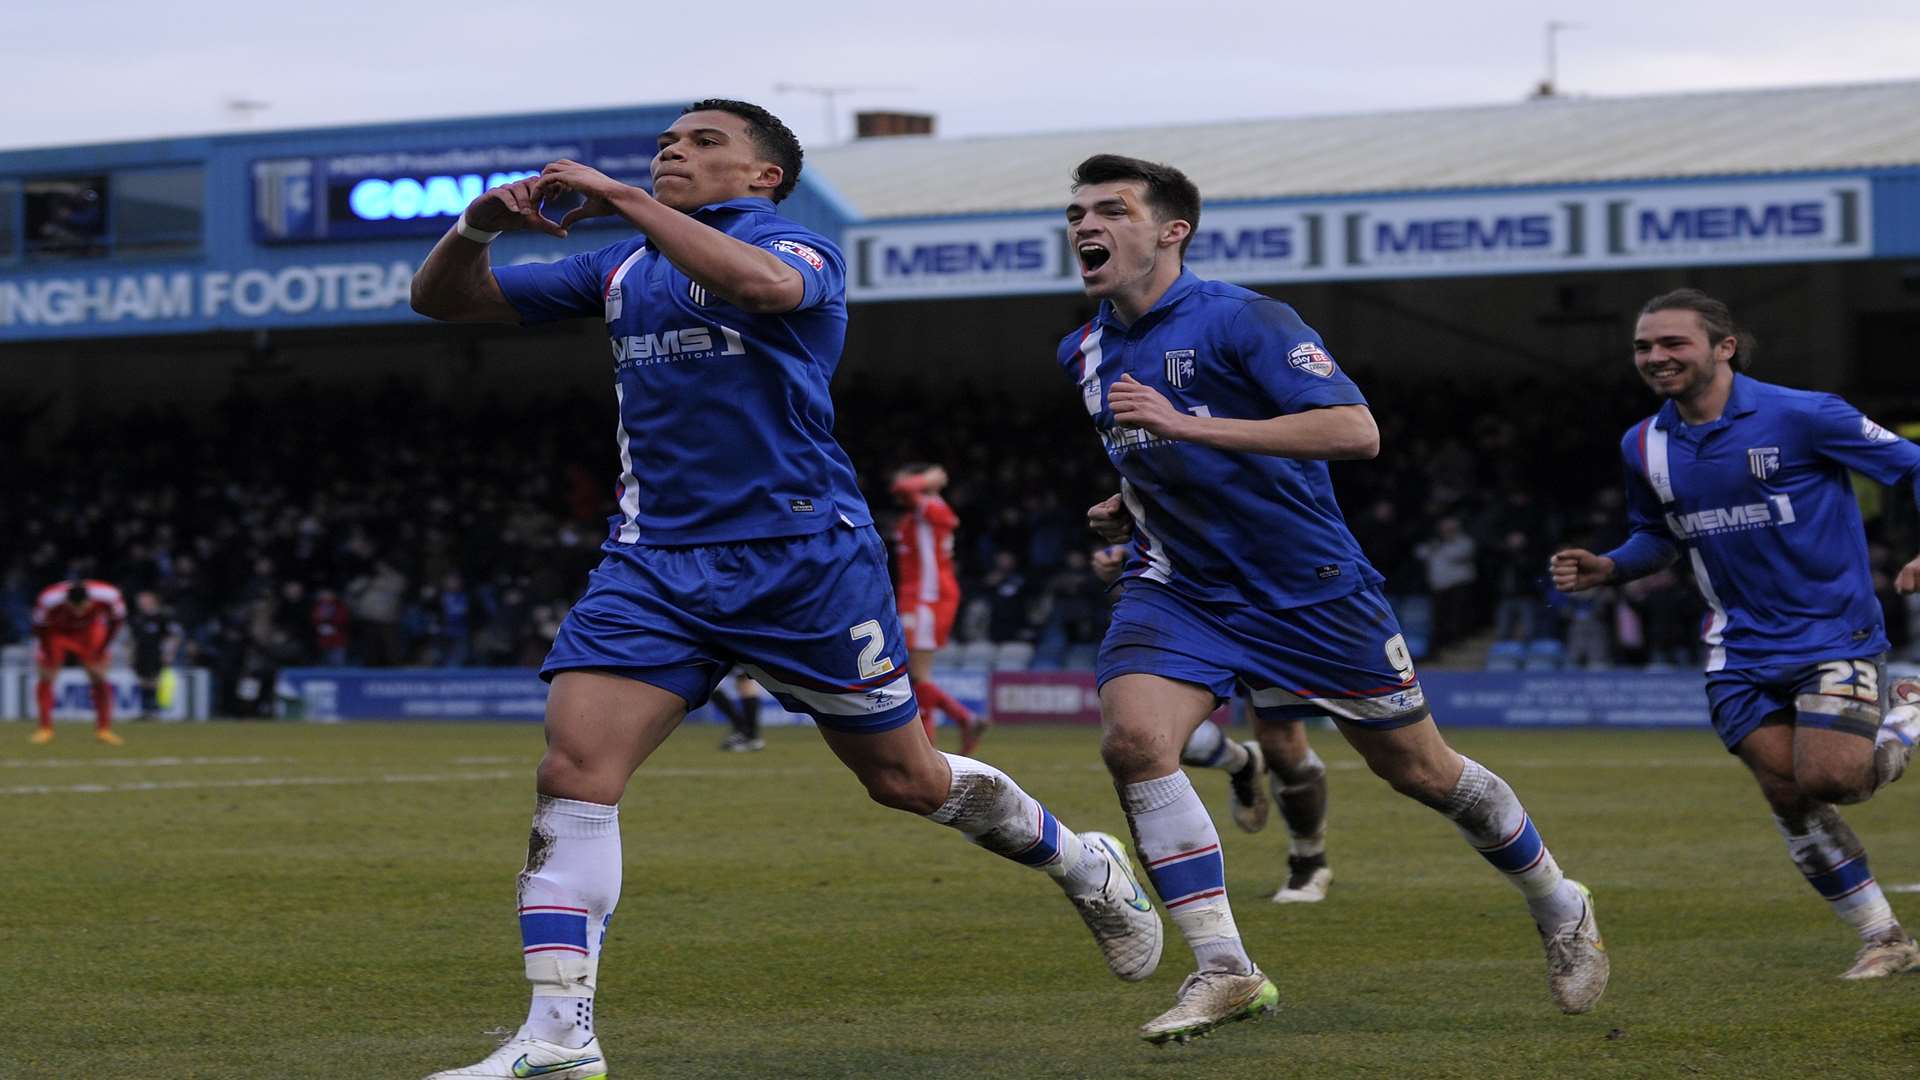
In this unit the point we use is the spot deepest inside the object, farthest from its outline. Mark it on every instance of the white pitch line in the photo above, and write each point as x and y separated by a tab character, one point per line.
256	782
381	778
137	763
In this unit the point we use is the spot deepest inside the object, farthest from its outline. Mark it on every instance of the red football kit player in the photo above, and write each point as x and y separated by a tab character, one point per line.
928	590
78	619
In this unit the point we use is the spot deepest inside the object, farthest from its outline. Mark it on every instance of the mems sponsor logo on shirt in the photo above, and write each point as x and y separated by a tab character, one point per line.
1777	510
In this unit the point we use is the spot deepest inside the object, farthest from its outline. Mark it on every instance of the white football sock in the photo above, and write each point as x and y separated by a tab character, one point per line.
1181	851
1834	862
990	809
1489	815
568	891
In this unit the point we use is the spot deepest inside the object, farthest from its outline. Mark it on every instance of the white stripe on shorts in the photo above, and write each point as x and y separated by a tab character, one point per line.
1384	707
872	702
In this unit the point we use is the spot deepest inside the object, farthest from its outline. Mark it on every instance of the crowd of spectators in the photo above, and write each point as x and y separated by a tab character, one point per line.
380	528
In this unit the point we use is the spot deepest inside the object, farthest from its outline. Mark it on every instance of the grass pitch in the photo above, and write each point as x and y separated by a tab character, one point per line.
282	901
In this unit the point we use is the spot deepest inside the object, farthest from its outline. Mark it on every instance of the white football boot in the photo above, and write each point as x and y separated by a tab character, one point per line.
1577	964
1246	795
522	1056
1879	959
1120	915
1208	999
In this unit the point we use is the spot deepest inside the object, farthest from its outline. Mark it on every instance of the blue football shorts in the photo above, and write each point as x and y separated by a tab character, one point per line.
811	618
1847	695
1342	658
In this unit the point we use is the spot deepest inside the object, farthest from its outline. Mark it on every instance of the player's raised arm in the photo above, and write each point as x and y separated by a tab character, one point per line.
456	283
748	277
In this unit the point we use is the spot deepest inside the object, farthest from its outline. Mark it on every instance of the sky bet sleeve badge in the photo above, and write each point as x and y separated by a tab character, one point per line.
1312	359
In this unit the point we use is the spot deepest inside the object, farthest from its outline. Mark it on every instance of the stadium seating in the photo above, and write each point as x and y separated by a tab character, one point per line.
1012	656
1544	654
1506	655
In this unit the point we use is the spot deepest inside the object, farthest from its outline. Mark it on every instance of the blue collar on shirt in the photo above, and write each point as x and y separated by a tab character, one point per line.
746	204
1739	403
1182	285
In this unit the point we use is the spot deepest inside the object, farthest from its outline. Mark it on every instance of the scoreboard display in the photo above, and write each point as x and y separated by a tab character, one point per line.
395	194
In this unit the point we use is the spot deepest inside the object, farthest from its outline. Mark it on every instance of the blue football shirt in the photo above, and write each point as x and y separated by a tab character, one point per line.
1760	504
726	425
1219	525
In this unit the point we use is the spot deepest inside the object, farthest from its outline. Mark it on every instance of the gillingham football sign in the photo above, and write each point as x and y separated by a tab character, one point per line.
1532	232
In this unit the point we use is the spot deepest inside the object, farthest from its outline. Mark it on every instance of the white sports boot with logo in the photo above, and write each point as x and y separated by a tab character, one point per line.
1208	999
1577	964
522	1056
1120	915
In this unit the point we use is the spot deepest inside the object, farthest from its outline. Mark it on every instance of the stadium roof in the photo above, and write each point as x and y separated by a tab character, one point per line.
1540	142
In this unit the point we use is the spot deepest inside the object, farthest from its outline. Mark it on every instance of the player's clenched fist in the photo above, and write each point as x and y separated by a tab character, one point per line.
1577	569
1110	520
512	206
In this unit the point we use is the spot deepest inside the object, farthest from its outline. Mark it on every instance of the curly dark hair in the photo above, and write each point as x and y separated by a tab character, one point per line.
772	138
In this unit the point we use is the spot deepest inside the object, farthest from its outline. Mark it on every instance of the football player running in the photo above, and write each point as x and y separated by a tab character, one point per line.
1219	408
1748	482
741	537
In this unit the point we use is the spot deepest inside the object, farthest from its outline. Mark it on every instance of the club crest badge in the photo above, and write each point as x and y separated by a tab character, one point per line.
1179	368
1763	461
1311	359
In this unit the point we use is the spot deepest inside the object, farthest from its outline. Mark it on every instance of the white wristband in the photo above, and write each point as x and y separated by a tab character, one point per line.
478	236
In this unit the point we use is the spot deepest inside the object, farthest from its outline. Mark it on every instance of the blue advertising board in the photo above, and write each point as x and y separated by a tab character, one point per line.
1566	698
414	192
1458	698
491	694
416	693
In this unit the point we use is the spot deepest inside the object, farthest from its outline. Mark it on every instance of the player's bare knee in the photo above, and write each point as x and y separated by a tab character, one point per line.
564	774
1132	755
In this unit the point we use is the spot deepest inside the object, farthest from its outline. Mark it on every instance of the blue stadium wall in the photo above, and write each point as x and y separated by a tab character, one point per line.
257	266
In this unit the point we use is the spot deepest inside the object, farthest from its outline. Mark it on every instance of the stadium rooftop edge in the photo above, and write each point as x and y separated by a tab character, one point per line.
1540	142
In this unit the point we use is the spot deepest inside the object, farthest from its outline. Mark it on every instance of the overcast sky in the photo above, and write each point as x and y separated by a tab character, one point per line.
78	71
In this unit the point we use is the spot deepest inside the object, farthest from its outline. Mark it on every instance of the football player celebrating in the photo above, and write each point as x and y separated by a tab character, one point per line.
742	537
1748	482
1219	408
